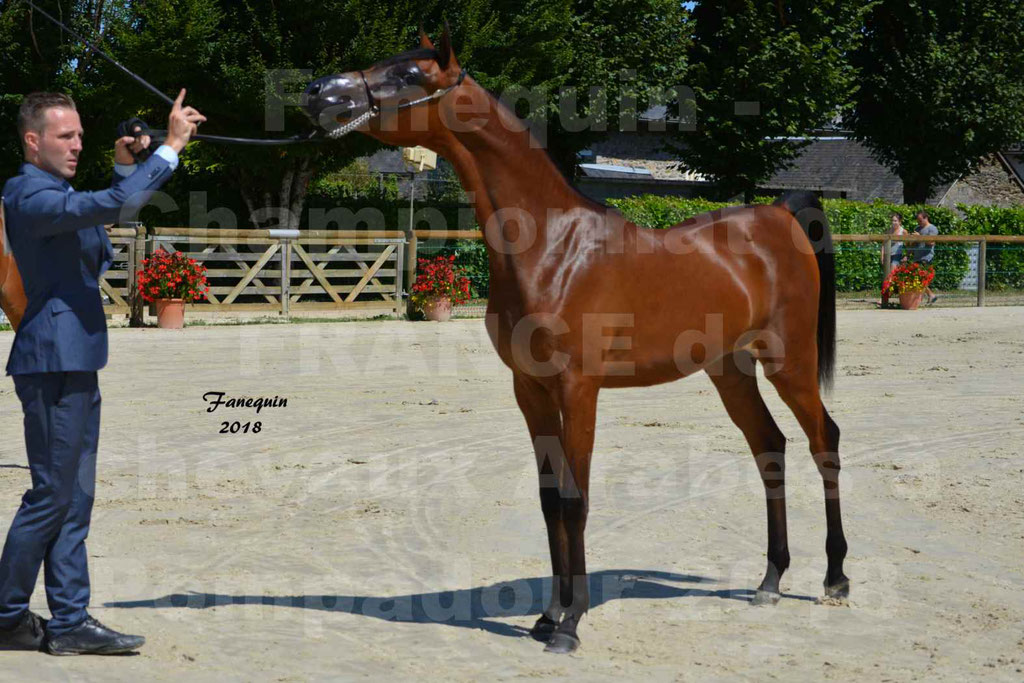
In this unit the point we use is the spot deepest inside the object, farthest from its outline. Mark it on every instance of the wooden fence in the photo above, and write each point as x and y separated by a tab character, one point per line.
270	270
336	271
981	240
884	240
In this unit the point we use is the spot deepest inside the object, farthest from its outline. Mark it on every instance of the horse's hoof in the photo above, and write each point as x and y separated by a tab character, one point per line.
543	629
765	598
838	591
562	643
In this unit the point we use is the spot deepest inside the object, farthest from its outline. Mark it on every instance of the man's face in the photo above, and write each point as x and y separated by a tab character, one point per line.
921	220
55	149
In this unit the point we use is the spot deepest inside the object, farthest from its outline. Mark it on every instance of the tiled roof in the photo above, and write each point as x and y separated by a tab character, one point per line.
838	165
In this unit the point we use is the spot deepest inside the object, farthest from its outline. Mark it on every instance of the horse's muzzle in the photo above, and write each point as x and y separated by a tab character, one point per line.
333	101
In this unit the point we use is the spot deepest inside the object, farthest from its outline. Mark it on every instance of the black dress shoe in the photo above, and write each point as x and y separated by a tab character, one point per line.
93	638
27	635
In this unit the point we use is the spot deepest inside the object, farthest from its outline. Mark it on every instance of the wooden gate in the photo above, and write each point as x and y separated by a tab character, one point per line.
279	270
118	282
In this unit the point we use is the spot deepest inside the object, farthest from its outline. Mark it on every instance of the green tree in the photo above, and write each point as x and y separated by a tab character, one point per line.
36	55
229	55
635	50
942	86
763	74
594	64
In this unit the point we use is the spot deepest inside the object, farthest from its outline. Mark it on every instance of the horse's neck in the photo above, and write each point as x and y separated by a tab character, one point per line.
511	181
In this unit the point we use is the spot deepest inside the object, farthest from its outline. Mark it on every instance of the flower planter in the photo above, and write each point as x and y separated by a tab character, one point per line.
169	280
170	314
439	285
910	300
910	280
438	308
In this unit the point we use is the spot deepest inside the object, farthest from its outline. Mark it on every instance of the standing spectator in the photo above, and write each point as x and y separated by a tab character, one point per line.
924	252
896	255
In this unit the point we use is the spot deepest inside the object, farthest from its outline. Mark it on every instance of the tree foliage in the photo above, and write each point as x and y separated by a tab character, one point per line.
942	86
230	55
764	72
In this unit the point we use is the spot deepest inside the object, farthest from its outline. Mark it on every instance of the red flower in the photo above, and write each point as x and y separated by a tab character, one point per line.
439	277
170	276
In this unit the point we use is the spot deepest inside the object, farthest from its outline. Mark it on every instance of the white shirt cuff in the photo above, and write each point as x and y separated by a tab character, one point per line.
168	154
124	169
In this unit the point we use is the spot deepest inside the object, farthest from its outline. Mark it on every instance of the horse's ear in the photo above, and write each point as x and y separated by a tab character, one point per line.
425	39
444	48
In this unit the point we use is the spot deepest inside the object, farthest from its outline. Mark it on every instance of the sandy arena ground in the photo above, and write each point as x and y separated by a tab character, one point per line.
386	523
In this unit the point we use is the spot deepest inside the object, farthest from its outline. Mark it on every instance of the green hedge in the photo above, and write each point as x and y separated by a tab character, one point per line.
858	264
1004	267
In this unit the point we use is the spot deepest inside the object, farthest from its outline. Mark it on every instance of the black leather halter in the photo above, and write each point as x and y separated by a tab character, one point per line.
374	109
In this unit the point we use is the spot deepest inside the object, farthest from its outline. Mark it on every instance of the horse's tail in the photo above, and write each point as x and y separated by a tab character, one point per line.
807	209
12	291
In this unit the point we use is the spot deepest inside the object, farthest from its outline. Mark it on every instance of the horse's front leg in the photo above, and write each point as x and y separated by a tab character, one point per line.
571	481
544	421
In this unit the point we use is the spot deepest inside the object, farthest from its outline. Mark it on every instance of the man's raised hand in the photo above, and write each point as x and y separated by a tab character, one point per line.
182	123
124	147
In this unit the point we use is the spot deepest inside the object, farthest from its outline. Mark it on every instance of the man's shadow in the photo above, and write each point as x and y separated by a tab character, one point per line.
474	607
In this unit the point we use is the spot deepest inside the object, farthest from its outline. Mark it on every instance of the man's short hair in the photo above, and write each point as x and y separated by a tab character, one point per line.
924	214
32	113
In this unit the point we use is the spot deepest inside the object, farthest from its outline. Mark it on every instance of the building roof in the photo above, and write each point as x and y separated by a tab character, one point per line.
613	171
843	167
831	164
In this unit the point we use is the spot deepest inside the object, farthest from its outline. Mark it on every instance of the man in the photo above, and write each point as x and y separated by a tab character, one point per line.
61	248
924	252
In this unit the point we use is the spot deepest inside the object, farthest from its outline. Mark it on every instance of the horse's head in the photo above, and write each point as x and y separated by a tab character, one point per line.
394	100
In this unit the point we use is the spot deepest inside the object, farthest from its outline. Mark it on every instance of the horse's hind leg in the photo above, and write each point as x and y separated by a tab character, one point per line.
797	385
738	390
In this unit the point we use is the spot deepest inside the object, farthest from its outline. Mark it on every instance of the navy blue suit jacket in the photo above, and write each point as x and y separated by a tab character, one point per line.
62	249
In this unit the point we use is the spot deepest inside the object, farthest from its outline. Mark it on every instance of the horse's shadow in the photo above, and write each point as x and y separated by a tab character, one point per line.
475	608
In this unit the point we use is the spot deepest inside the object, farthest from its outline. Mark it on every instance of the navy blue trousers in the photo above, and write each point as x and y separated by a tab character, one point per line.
62	424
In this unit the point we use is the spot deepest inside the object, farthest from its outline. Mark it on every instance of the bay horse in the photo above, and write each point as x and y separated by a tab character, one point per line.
582	300
12	292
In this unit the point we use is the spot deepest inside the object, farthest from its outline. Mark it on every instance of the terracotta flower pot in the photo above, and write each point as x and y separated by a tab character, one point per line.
438	308
909	301
170	314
